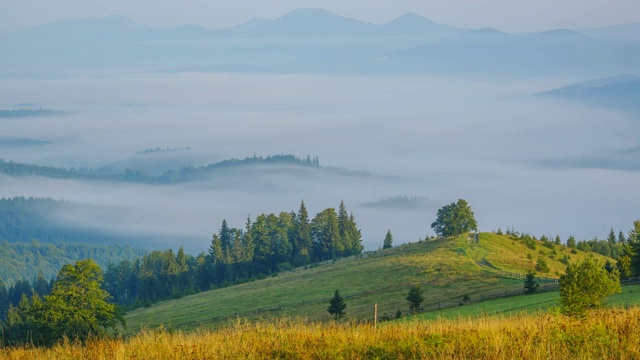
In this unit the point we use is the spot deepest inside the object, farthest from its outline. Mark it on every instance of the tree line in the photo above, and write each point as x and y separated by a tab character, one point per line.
20	261
25	218
170	176
266	245
624	249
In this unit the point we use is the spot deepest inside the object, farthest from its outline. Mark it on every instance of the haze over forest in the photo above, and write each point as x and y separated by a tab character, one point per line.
538	131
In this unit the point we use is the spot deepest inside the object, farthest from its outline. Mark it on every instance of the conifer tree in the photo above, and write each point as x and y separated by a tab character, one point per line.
337	305
302	238
388	240
415	297
530	283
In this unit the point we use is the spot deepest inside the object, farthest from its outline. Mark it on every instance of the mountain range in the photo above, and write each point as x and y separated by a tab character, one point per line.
317	41
299	23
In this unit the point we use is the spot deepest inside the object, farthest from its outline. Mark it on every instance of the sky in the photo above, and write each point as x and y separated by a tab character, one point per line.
505	15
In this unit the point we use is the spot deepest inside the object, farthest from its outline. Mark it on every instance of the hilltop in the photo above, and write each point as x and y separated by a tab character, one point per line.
447	268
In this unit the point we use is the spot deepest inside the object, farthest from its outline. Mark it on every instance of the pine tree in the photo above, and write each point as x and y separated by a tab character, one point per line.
225	236
355	235
302	238
633	241
558	241
530	283
388	240
343	226
612	237
415	297
337	305
326	235
4	300
571	242
621	238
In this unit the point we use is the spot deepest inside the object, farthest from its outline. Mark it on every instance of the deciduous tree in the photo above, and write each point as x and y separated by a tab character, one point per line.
585	285
454	219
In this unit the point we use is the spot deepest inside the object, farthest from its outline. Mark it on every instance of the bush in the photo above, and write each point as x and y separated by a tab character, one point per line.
542	266
585	285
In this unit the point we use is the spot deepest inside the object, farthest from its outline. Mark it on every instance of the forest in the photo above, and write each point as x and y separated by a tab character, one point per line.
23	219
266	245
186	173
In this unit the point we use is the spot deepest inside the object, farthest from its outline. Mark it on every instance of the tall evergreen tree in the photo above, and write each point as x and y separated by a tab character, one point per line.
302	243
388	240
327	243
40	284
4	301
612	237
621	237
633	241
225	235
355	235
343	229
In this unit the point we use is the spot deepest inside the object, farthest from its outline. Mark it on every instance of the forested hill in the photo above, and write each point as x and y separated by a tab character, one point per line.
26	260
23	219
21	113
186	173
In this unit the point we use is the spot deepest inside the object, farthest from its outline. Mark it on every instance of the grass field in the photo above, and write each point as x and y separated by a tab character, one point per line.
530	304
604	334
447	268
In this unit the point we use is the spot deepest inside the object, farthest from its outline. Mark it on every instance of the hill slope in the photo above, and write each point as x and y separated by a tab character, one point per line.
446	268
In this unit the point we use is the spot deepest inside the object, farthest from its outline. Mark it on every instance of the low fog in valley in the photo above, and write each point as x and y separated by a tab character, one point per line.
539	164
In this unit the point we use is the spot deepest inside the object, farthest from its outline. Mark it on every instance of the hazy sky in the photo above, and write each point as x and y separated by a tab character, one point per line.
506	15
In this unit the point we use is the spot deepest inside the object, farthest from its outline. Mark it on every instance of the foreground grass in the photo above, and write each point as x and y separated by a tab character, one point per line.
605	334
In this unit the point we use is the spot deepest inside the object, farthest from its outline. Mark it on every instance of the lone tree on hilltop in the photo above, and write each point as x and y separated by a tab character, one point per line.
388	240
454	219
337	305
585	285
415	297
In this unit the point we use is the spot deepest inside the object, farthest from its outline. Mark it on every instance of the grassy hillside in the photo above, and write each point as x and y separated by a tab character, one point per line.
447	269
514	305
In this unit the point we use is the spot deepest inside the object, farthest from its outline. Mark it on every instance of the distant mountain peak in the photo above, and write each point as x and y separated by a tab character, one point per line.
410	16
485	32
412	23
310	12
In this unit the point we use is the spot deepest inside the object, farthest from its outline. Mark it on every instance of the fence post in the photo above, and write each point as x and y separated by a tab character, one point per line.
375	316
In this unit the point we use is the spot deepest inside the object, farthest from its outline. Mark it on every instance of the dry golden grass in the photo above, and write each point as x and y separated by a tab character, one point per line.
605	334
